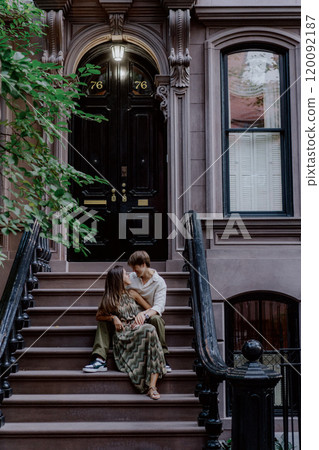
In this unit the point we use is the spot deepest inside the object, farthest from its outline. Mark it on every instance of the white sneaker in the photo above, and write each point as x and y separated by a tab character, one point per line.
99	365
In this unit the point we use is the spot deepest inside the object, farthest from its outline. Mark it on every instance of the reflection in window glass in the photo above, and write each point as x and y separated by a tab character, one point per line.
254	88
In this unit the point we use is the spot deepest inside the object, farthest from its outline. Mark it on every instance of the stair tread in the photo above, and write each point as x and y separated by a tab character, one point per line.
98	274
90	428
87	350
99	399
80	374
83	328
93	309
89	290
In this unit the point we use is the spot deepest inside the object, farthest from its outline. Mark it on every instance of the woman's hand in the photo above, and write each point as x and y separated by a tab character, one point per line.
139	319
117	323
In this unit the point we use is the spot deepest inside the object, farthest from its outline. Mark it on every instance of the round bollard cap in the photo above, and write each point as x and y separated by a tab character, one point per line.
252	350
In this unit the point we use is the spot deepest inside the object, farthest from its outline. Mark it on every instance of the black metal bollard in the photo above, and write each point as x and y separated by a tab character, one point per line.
253	401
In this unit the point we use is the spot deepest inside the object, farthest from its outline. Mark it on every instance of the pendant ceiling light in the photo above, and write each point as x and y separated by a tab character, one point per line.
118	52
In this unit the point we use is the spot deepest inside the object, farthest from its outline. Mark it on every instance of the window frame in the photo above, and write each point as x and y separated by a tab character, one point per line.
284	130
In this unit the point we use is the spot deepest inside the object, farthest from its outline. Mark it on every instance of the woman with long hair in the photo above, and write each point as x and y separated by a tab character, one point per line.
137	349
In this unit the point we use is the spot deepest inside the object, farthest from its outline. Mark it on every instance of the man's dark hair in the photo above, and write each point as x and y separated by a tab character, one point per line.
138	258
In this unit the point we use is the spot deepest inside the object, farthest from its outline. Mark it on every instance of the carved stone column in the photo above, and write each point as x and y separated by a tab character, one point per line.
54	40
179	58
54	46
179	121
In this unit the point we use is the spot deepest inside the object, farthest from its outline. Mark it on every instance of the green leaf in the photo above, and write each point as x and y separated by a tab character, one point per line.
59	192
46	102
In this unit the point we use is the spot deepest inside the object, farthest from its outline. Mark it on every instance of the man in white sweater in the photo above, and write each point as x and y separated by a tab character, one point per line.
152	287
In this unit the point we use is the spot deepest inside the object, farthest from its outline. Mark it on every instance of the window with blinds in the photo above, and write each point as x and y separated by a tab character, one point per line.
256	153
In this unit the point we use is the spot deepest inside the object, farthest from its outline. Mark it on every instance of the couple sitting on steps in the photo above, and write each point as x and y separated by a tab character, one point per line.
133	303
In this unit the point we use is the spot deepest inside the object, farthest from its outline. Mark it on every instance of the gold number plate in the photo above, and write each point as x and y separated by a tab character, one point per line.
95	202
142	202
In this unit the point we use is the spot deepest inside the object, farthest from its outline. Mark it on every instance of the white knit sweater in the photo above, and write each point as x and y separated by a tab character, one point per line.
154	291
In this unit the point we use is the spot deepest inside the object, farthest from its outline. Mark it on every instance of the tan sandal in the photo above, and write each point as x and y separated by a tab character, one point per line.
153	393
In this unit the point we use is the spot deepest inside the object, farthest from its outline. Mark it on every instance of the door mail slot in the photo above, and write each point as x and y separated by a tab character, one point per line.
95	202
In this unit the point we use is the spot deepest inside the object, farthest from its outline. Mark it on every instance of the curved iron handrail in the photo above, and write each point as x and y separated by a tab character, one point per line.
203	315
32	256
14	287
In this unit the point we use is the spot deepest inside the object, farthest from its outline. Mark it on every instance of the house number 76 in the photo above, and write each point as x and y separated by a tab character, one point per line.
97	84
142	84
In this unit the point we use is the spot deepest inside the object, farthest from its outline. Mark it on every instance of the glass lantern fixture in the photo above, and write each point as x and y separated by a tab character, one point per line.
118	52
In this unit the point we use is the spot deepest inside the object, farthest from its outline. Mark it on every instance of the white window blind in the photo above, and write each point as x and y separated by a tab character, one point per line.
255	172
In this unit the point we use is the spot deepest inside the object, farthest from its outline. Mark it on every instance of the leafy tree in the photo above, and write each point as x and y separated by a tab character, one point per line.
41	102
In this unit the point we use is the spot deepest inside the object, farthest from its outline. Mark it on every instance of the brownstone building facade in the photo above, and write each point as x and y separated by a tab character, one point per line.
203	114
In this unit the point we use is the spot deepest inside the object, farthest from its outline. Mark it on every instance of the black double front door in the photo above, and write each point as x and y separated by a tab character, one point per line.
129	151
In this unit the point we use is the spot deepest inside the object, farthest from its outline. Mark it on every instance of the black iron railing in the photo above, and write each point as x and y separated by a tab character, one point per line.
33	255
209	367
290	397
287	395
253	383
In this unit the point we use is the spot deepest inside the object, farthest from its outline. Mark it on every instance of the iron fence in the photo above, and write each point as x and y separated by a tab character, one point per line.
287	393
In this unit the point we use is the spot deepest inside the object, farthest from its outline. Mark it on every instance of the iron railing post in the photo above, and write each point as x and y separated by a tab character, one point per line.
253	401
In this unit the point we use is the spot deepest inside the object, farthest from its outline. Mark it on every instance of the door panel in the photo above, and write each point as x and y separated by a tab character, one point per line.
129	151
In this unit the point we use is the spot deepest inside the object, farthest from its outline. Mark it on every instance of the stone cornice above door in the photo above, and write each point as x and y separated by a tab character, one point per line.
179	4
55	5
234	12
111	7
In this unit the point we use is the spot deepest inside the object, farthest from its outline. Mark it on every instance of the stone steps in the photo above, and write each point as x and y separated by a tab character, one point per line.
74	358
78	382
83	435
59	280
65	336
81	297
85	315
54	403
100	407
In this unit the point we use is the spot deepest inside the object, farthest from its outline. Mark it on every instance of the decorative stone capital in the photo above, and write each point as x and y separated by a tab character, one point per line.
53	45
179	58
116	23
116	12
162	92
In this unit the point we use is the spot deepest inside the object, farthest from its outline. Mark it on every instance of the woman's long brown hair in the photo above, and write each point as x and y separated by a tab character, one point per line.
114	288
